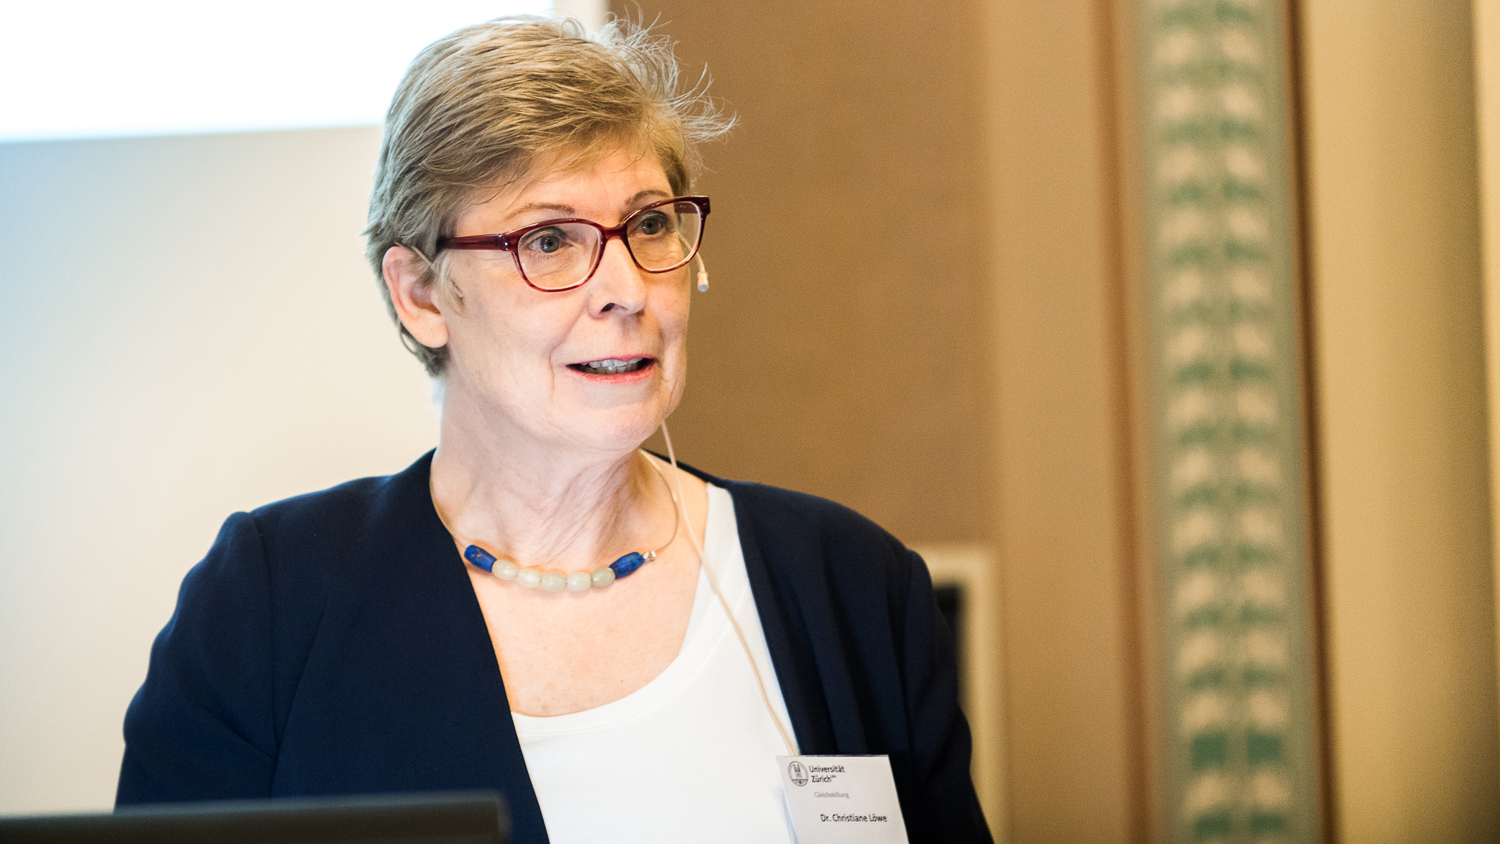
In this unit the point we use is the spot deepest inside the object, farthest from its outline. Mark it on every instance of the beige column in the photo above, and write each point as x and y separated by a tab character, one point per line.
1487	97
1402	440
1063	533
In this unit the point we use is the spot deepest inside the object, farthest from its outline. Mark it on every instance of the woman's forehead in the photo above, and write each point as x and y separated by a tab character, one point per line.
596	180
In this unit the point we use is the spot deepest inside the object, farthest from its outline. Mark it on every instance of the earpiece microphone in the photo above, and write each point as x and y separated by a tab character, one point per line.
702	274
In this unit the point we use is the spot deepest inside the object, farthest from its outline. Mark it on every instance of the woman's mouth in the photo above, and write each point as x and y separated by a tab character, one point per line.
611	366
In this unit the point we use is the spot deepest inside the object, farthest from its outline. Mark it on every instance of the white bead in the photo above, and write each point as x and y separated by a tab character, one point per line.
530	578
554	581
506	570
579	581
602	576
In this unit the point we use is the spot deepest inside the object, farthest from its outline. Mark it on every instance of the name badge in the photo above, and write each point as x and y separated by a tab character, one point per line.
835	799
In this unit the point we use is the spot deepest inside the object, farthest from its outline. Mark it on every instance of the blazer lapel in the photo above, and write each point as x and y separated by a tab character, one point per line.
429	648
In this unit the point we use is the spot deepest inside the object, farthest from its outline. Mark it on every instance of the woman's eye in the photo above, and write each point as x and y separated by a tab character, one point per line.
545	241
653	223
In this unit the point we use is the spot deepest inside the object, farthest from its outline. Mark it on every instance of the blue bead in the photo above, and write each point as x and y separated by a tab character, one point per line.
479	557
627	564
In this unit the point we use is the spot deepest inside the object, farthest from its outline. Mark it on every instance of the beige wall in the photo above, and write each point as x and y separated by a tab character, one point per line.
1409	596
836	352
946	358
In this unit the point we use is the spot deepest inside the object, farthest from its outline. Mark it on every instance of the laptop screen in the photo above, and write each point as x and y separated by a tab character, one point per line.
438	818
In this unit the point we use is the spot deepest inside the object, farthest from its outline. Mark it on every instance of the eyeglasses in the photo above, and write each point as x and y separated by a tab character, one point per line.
563	254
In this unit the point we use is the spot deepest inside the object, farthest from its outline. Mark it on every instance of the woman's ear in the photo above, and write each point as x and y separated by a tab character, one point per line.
415	304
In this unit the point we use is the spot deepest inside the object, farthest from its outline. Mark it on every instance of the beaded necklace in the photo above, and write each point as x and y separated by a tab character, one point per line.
553	580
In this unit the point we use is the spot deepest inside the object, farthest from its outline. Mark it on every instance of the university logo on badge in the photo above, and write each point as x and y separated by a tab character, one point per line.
798	772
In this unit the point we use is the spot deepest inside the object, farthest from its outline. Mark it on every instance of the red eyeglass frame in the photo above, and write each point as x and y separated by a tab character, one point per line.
507	242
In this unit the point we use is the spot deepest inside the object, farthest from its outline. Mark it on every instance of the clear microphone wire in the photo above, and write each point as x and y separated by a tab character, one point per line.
713	580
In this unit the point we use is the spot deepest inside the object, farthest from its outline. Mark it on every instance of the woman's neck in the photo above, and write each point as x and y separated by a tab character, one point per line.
544	506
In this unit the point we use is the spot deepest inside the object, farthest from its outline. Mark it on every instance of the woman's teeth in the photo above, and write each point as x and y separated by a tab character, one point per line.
611	366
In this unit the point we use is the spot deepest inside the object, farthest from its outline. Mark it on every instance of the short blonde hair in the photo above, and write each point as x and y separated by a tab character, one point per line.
481	108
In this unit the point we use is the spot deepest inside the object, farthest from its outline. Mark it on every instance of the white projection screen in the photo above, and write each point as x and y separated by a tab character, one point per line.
189	325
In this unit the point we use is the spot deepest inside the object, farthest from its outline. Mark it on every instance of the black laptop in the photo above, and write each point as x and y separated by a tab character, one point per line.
439	818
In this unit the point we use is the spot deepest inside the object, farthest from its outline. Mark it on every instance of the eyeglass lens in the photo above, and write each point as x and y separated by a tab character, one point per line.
660	238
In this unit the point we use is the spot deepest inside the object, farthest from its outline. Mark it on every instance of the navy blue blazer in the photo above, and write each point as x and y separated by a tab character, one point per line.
332	644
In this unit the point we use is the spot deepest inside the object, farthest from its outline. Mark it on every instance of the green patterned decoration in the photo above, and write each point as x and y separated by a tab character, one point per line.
1236	682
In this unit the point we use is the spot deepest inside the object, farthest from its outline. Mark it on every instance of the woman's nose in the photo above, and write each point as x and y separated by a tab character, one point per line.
618	284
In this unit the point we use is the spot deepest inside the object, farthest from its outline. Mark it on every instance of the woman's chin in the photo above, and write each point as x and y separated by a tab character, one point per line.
619	417
618	433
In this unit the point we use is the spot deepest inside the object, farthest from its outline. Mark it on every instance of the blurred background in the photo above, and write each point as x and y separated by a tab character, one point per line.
1159	326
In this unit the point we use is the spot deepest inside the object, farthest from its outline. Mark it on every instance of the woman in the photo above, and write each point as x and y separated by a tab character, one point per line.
538	606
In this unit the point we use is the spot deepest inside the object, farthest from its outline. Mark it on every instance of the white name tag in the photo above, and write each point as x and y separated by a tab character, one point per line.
835	799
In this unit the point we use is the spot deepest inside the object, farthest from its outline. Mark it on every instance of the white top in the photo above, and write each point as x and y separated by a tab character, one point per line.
691	756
